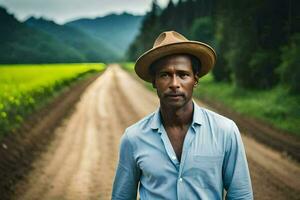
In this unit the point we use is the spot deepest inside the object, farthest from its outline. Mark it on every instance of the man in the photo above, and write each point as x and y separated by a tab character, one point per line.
181	151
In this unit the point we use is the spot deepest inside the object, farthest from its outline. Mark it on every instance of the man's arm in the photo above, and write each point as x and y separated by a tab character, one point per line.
127	174
236	176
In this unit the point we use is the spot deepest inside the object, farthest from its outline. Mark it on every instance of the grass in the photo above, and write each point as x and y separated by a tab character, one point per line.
276	106
129	67
26	88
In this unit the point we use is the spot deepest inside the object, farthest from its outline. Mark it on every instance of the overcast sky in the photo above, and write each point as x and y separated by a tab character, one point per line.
65	10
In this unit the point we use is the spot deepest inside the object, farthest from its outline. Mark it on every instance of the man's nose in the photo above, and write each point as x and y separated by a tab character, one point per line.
174	82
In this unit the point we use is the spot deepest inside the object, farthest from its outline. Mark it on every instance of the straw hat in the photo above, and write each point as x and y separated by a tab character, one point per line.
169	43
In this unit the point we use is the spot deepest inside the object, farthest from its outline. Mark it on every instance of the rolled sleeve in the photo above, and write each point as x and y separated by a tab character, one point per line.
127	174
236	176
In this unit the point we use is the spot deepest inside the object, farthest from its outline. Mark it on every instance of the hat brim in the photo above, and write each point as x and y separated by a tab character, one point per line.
202	51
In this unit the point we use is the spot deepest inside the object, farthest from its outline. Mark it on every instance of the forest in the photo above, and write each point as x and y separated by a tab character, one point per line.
257	42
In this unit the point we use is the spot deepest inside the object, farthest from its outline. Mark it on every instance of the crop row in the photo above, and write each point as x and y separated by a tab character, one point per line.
26	88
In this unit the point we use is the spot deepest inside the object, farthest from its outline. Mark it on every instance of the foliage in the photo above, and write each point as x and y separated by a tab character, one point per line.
145	40
262	68
129	67
257	45
222	71
254	40
25	88
290	65
178	17
202	30
247	35
274	106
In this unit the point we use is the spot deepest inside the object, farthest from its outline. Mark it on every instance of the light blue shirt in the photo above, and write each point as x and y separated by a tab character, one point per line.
213	158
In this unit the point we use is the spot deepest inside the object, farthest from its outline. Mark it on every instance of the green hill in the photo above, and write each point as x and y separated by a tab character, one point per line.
118	30
103	39
22	44
91	48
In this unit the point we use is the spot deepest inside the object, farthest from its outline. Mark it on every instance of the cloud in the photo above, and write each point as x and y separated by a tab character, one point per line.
64	10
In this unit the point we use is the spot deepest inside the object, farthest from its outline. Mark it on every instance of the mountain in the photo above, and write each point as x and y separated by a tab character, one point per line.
103	39
90	47
22	44
119	30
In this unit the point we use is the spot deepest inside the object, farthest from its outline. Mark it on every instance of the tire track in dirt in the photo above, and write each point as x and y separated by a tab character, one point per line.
288	144
67	158
49	171
80	162
273	175
58	166
34	135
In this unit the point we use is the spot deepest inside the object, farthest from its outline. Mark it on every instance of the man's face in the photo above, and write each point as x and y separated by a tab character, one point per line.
174	80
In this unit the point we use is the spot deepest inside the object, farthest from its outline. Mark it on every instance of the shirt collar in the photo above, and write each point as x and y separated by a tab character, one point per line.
156	121
197	117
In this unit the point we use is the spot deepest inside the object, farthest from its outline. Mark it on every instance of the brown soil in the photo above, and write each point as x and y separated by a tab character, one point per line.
288	144
79	161
18	151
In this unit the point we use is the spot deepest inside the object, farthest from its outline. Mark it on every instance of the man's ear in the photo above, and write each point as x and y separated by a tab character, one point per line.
153	83
196	77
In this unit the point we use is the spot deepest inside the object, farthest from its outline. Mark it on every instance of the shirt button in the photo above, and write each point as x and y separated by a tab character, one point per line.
180	179
173	157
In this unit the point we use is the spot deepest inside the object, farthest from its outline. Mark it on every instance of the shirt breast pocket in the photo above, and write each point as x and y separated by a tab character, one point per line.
207	170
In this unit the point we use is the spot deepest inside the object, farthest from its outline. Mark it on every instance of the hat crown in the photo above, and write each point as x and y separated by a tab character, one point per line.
169	37
170	43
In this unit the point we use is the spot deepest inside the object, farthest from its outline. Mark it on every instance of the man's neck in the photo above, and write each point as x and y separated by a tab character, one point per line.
177	117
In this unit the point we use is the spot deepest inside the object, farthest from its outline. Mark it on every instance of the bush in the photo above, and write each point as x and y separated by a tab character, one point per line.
289	69
202	30
222	71
262	68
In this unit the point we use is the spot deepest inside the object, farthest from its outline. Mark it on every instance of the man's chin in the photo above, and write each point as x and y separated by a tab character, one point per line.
174	103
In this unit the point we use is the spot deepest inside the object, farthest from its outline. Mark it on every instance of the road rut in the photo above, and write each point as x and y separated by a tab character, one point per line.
80	162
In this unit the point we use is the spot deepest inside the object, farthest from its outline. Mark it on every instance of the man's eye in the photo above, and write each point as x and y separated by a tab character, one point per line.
184	75
164	75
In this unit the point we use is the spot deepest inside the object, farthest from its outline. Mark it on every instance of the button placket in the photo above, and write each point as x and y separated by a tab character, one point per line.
187	142
168	147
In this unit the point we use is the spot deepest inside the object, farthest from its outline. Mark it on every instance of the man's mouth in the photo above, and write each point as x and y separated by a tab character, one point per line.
174	95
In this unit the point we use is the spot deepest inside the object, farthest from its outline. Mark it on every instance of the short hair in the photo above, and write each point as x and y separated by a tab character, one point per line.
196	64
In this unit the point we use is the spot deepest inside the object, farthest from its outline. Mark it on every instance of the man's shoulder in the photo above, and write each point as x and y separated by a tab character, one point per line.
217	120
214	114
140	126
220	126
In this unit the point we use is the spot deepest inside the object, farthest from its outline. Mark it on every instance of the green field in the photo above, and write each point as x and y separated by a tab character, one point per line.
276	106
25	88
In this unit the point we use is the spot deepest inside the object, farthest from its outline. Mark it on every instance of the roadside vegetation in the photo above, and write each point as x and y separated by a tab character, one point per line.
275	106
129	67
26	88
257	71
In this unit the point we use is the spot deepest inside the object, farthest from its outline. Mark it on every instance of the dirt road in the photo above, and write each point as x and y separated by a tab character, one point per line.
80	162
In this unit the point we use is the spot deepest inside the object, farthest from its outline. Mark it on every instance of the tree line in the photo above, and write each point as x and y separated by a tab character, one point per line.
257	42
